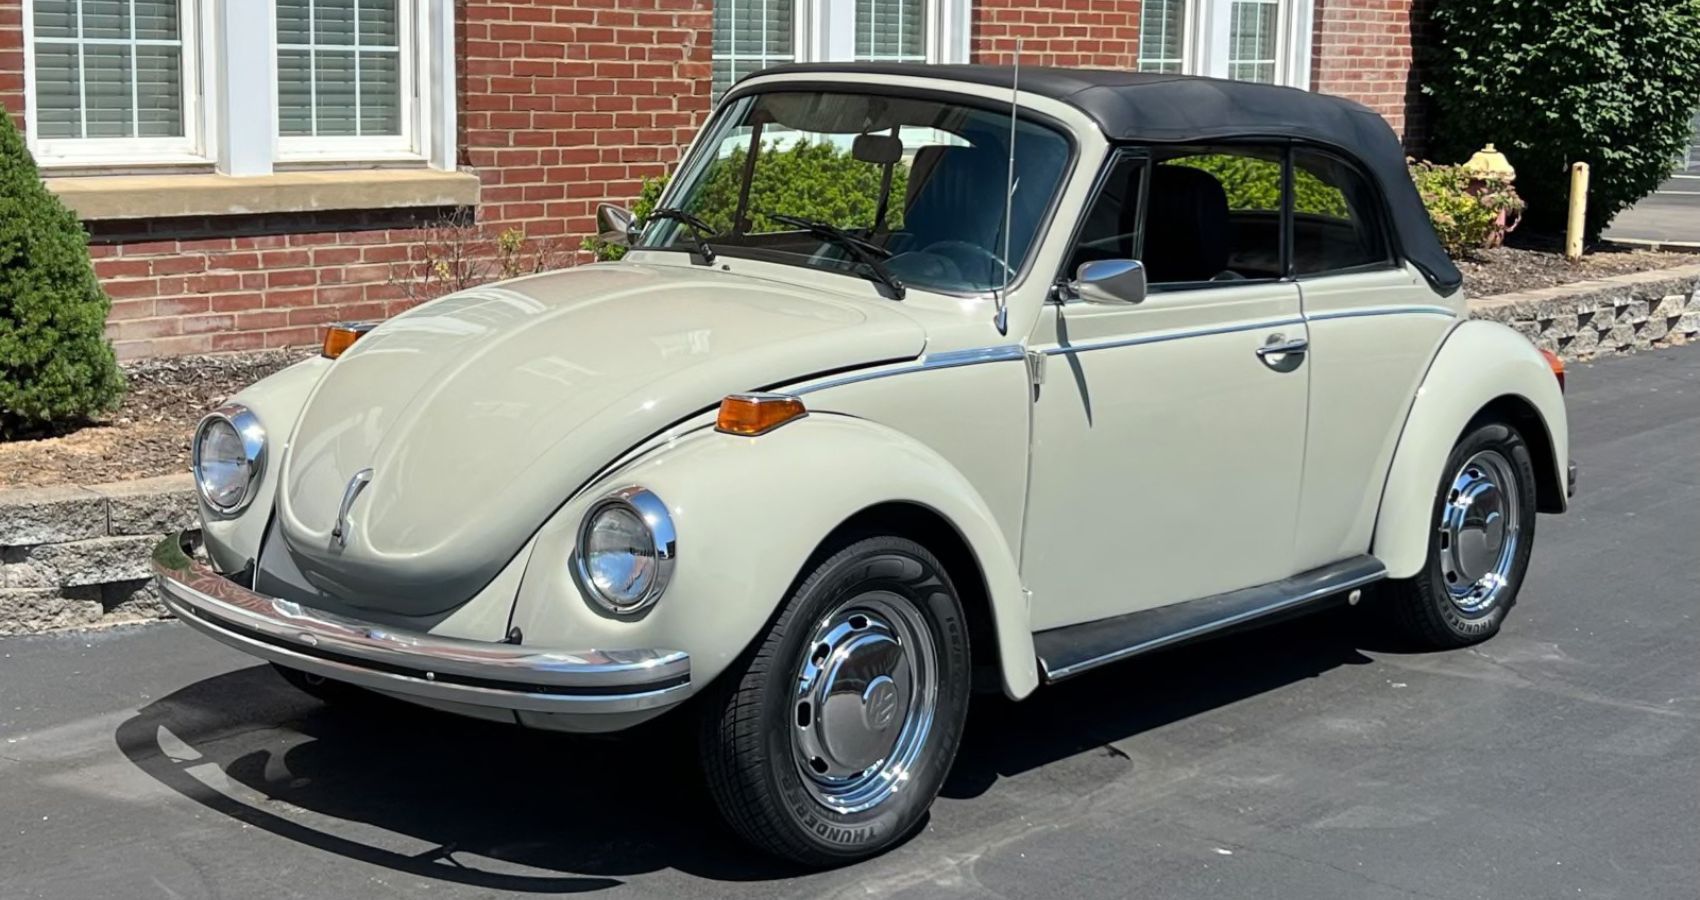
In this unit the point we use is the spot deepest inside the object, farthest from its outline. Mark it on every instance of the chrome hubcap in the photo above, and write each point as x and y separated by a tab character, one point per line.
864	703
1479	532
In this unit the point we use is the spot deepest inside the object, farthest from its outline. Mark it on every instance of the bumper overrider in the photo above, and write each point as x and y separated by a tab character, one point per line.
413	663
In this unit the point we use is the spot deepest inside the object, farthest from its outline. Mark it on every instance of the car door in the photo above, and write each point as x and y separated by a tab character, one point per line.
1168	438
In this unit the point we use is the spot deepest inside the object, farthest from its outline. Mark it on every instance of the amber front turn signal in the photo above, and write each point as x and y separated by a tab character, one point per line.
1557	366
753	414
342	335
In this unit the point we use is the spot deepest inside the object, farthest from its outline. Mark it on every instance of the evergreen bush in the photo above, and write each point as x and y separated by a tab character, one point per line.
56	366
1612	84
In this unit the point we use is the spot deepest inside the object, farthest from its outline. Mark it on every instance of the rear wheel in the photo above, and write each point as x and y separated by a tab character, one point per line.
829	740
1481	533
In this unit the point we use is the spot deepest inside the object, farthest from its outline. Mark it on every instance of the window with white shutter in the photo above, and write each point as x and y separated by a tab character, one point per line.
1162	36
750	35
111	78
1253	40
1267	41
891	30
343	76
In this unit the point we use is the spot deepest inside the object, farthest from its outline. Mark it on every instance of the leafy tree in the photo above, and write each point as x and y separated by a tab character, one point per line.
1612	83
56	366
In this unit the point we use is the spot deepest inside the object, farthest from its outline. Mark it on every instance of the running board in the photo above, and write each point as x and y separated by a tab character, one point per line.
1072	649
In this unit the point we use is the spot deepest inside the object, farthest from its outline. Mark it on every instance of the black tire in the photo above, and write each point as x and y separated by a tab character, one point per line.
750	717
1422	608
328	690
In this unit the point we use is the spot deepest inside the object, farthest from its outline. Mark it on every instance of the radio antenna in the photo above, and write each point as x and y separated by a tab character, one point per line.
1002	319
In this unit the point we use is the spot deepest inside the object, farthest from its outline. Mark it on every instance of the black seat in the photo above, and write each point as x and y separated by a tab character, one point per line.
1187	236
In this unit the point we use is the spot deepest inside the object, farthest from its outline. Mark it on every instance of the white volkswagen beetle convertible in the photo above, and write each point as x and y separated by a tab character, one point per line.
915	379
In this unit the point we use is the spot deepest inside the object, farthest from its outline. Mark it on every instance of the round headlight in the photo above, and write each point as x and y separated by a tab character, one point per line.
229	454
625	551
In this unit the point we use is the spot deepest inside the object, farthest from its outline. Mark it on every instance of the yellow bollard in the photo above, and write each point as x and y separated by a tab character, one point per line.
1578	211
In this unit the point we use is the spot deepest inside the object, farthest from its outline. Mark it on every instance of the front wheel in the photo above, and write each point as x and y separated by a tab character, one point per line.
829	740
1482	531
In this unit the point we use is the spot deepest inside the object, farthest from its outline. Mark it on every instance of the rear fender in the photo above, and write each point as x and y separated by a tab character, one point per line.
1482	366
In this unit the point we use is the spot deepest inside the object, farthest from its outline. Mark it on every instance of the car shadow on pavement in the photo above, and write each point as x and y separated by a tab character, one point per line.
502	808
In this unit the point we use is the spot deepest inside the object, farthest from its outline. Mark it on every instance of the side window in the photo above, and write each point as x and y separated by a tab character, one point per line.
1110	229
1337	221
1214	215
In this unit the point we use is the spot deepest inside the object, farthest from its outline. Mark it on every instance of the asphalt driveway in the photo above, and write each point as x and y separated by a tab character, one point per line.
1312	760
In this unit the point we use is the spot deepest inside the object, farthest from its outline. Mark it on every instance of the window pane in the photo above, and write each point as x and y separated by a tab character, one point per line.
1214	217
106	90
106	19
159	91
333	80
1253	32
380	93
55	18
750	35
1110	229
1162	34
292	22
294	93
891	30
378	23
333	22
156	20
56	105
1336	217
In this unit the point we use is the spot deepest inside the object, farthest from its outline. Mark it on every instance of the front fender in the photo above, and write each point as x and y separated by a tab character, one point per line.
1479	363
749	512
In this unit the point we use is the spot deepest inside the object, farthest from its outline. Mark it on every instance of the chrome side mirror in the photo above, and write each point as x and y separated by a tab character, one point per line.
615	225
1113	281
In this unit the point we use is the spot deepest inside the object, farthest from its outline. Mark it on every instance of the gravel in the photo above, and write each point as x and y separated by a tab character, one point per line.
1505	270
149	433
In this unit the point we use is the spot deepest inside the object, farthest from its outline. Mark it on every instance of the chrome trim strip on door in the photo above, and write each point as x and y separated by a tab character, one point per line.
1368	311
1162	337
949	359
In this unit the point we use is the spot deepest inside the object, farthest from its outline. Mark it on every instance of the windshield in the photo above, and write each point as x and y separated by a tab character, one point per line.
917	185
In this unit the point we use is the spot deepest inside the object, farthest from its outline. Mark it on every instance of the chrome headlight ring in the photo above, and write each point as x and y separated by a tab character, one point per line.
662	545
252	436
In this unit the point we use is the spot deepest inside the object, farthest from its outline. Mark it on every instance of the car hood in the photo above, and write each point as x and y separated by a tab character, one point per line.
480	413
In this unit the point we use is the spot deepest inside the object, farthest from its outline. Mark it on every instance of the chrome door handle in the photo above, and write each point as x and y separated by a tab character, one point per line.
1280	344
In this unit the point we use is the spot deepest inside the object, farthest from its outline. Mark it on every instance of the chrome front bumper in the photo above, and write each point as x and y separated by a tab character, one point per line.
413	663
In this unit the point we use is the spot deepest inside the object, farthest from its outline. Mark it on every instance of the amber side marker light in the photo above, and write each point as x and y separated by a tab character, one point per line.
753	414
1557	366
342	335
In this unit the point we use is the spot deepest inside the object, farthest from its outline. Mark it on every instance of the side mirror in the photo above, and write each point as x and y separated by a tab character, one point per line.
1112	281
615	225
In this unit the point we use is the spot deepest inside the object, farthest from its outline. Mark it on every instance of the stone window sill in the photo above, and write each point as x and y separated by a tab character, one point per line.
109	197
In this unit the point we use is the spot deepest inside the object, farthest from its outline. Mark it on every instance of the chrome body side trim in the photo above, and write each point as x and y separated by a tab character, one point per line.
1369	311
947	360
411	663
1164	336
1072	649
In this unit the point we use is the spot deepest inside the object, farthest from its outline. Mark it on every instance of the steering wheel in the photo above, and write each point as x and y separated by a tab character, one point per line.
971	257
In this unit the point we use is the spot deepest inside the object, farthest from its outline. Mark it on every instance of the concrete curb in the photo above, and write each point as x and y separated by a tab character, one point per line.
74	557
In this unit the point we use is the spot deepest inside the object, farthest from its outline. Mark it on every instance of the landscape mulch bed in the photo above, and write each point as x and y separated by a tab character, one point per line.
149	433
1505	270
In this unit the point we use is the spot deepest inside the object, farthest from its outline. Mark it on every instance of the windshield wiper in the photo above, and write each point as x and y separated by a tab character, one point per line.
865	253
700	230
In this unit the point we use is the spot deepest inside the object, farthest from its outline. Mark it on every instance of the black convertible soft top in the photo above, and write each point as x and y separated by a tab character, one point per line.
1148	107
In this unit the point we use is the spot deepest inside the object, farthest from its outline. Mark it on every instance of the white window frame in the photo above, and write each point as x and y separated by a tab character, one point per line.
825	30
1205	47
190	149
410	143
230	112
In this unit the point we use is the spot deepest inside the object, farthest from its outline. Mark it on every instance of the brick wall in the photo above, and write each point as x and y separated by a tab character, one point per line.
563	104
1363	51
1098	34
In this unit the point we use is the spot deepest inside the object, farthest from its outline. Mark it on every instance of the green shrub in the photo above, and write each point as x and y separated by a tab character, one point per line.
1466	216
56	366
1253	183
1612	84
814	180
